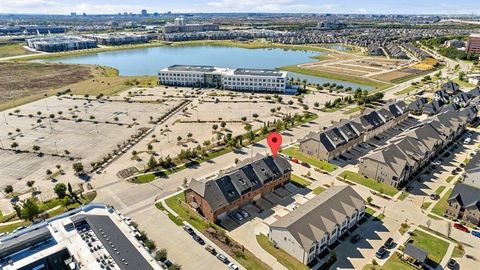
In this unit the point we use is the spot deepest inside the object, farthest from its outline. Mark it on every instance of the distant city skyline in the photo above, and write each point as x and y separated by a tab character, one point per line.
227	6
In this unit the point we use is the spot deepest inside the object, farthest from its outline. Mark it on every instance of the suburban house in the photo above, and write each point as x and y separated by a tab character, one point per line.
397	162
416	107
442	95
451	88
464	201
347	134
308	230
461	99
238	186
434	107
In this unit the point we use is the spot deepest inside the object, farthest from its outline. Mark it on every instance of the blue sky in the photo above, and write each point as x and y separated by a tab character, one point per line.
319	6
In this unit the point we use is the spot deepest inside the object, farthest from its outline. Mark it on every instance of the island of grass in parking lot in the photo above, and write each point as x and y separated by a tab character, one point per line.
368	182
294	152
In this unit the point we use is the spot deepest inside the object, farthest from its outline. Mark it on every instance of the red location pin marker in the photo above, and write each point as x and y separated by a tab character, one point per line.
274	141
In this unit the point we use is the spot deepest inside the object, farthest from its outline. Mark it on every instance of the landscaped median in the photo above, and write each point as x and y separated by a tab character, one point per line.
215	233
368	182
294	152
282	257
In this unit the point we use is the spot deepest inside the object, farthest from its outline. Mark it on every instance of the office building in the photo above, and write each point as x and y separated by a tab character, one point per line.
90	237
254	80
61	43
179	25
473	44
308	230
119	38
241	185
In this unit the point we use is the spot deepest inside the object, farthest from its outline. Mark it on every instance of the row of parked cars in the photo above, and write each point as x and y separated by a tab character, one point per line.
210	249
239	214
460	227
383	249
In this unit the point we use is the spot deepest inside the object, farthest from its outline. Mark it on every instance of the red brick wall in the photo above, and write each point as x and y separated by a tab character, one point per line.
203	205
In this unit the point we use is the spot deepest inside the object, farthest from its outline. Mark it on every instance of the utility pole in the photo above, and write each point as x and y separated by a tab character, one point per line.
5	116
46	105
1	142
56	149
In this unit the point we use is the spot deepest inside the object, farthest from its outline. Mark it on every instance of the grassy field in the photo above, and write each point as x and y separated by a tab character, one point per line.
377	85
282	257
370	183
434	246
295	153
22	83
393	263
439	208
353	110
16	49
246	259
299	181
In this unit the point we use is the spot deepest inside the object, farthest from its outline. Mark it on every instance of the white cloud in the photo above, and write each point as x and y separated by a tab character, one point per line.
266	6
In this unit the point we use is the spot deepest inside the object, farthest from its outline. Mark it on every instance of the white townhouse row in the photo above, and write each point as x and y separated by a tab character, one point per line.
308	230
254	80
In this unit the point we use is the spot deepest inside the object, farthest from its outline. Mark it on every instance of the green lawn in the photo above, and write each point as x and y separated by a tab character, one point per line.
450	178
368	182
353	110
379	86
370	211
439	208
440	189
318	190
434	246
393	263
282	257
425	205
294	152
11	227
403	196
299	181
9	50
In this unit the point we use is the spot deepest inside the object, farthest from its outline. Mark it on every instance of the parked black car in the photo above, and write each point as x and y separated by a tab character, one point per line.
389	243
355	238
198	239
380	252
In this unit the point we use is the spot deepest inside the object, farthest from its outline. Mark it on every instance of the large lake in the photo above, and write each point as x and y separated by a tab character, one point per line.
148	61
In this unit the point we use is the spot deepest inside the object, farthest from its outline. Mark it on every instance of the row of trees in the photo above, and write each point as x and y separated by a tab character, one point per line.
29	209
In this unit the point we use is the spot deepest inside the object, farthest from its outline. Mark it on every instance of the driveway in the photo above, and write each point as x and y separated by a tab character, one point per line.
374	234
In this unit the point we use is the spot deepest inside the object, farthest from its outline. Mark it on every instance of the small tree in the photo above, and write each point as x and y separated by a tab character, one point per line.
17	209
8	189
61	190
30	209
214	126
175	266
152	163
161	255
36	148
78	167
30	183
